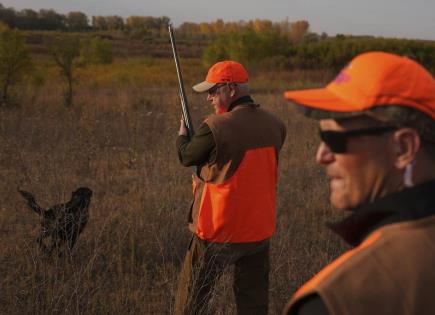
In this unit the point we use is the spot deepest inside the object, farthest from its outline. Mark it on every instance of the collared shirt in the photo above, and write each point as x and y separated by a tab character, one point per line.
202	148
409	204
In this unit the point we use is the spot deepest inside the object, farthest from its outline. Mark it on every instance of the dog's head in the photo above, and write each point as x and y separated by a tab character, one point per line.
82	191
83	194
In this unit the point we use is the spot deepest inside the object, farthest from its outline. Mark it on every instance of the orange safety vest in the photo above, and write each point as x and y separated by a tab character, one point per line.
235	199
391	272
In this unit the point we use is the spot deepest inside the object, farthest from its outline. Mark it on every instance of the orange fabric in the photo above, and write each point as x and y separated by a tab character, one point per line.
373	79
227	71
314	282
242	209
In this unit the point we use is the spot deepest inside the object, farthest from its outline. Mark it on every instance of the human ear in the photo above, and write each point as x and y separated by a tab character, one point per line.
232	89
406	142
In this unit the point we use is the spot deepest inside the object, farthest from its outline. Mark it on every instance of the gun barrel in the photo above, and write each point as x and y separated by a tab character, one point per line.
184	104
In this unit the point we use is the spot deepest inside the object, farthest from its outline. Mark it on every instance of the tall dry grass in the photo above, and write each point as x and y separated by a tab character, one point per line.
119	139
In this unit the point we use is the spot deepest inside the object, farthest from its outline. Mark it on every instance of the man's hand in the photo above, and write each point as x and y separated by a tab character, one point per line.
183	129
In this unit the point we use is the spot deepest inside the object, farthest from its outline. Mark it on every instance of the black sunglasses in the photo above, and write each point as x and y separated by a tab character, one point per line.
337	140
214	89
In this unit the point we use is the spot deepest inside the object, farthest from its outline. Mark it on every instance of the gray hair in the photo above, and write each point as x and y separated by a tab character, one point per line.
242	88
404	116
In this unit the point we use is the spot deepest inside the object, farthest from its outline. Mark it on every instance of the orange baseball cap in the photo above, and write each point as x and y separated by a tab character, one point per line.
223	72
372	80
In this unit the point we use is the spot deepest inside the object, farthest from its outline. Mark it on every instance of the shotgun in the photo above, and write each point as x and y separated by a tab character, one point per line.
183	99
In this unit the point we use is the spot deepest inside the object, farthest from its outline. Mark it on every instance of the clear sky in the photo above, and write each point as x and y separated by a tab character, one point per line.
389	18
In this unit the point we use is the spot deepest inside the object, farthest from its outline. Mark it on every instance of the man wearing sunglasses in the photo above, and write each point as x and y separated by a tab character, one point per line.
377	144
233	213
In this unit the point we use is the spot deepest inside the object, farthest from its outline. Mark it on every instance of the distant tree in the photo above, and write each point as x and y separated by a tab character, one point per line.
8	16
298	30
136	22
236	26
189	29
51	20
14	61
311	37
99	22
65	51
284	27
261	25
205	28
218	25
28	19
164	21
76	21
114	22
150	23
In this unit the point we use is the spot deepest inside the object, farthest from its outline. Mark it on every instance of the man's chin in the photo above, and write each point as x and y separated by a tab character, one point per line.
338	202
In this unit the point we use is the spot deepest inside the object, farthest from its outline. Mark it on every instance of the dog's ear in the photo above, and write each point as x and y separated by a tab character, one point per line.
83	192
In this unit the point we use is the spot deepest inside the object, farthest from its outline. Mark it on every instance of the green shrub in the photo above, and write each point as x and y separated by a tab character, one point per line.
96	51
336	52
248	46
14	61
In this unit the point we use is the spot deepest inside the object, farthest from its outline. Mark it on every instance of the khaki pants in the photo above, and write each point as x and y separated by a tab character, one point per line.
204	264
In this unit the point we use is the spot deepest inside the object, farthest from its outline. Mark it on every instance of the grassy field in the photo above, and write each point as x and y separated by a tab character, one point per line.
119	139
123	45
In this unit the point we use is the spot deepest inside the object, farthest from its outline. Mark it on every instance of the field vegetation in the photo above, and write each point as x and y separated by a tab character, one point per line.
118	138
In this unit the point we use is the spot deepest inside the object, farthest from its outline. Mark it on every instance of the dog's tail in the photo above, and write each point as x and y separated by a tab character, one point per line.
31	202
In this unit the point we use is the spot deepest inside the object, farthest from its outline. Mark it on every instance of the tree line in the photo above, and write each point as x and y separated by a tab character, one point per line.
296	31
49	19
336	52
271	47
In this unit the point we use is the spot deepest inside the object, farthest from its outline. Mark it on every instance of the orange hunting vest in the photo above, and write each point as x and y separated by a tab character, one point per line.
391	272
235	195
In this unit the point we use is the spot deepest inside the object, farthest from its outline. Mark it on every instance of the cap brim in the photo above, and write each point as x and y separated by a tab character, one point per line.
322	103
203	86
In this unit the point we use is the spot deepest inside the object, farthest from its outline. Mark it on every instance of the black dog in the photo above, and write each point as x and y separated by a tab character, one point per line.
63	222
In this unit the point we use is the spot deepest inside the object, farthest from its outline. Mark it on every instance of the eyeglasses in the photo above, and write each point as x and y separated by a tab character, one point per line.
215	88
337	140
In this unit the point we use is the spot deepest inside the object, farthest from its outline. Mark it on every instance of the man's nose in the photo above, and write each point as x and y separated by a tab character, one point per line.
209	97
324	154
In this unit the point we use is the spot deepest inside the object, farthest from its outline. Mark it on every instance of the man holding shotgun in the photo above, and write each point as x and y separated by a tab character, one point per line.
233	213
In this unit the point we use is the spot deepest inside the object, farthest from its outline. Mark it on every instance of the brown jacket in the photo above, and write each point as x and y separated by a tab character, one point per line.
392	270
246	127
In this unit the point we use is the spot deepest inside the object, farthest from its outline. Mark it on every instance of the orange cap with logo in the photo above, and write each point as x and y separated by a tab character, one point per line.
223	72
371	80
